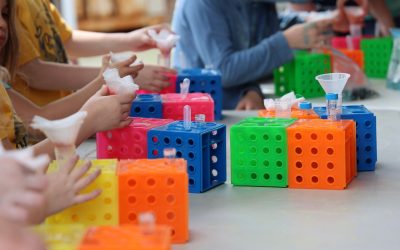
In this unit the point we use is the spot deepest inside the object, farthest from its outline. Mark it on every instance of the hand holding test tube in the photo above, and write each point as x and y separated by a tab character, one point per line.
165	41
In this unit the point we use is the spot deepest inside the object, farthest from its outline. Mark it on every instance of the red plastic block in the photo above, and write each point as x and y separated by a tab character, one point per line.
322	154
159	186
170	89
126	238
296	113
339	42
129	142
200	103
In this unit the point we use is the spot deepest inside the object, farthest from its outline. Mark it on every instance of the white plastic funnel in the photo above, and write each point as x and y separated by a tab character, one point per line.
165	41
62	133
334	83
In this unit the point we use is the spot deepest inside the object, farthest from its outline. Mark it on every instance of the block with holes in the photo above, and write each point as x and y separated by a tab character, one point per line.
377	53
203	146
129	142
101	211
159	186
366	134
199	103
127	237
259	152
61	237
204	81
147	105
322	154
295	113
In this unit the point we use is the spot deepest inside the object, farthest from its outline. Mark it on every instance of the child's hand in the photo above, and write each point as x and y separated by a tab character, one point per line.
66	184
124	67
21	192
154	78
251	101
140	40
15	237
308	35
108	112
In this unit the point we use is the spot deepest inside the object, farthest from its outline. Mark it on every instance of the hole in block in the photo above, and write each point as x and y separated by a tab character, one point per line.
298	150
191	155
170	216
151	182
329	137
367	136
297	136
253	163
191	142
154	139
278	137
314	136
132	199
214	172
299	179
92	217
170	199
314	151
368	161
314	165
172	232
253	137
132	217
266	176
191	169
253	150
266	150
170	181
314	179
191	182
331	180
132	183
266	163
278	150
279	164
330	151
368	148
368	124
178	141
75	218
253	176
166	140
152	109
137	110
109	148
155	152
107	201
265	137
299	164
151	199
279	177
330	165
178	154
107	216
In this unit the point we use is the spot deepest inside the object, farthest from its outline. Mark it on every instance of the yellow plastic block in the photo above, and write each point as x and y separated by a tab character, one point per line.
101	211
61	237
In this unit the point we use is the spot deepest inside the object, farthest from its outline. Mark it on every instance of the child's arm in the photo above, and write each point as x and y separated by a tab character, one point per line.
85	43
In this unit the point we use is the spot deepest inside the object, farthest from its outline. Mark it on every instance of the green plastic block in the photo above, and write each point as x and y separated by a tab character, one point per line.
259	152
299	75
377	53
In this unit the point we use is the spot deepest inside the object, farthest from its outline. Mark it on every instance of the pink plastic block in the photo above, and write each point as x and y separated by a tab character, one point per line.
170	89
129	142
339	42
200	103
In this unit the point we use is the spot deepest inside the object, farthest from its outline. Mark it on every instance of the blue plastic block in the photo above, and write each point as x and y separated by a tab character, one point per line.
203	146
204	81
366	133
147	106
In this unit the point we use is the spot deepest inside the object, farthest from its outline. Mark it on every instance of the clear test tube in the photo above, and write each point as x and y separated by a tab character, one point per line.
187	117
332	107
306	108
185	85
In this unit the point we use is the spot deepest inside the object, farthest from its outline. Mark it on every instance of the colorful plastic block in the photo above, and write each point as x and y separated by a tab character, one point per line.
61	237
170	89
322	154
159	186
200	103
101	211
299	75
366	134
377	53
147	106
127	238
259	152
356	55
204	81
340	42
203	146
129	142
296	113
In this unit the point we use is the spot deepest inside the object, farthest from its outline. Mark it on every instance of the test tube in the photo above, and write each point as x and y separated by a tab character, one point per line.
332	106
200	119
306	107
185	88
283	108
147	223
169	153
187	117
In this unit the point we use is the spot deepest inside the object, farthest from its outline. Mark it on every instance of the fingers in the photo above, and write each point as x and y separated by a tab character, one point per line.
159	27
87	197
125	108
126	98
125	123
36	182
241	105
69	165
87	180
106	61
103	91
133	71
78	172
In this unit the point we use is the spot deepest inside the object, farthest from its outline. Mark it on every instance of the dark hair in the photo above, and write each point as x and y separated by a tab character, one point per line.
9	53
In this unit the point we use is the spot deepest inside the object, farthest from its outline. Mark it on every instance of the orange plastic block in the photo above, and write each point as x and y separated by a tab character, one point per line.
296	113
356	55
126	238
322	154
159	186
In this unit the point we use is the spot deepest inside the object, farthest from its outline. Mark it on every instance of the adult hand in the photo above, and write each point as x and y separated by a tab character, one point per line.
349	15
308	35
250	101
154	78
140	40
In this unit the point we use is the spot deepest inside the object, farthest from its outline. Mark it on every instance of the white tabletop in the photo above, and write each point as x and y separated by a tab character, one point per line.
364	216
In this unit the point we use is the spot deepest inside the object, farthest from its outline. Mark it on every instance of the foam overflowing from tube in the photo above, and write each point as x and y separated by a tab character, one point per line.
26	158
165	41
118	85
62	133
185	85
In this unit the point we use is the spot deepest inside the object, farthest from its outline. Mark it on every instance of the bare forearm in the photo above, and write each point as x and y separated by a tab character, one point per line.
85	43
381	12
57	76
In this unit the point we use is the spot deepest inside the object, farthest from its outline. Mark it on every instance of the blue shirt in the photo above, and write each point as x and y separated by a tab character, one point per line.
241	38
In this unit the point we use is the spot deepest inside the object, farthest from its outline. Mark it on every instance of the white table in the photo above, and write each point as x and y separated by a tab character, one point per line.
364	216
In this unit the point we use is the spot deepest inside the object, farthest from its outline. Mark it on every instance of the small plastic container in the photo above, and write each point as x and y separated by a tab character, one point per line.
306	108
283	108
332	106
